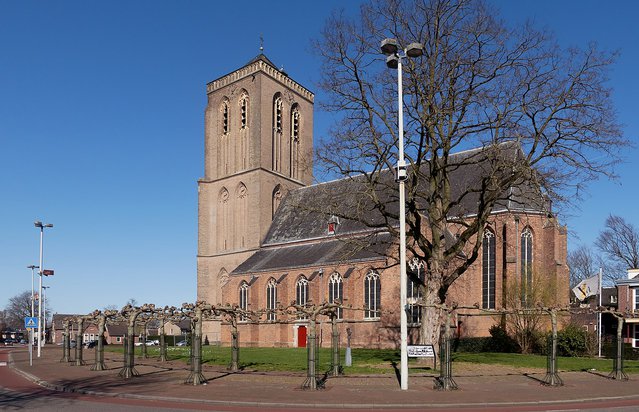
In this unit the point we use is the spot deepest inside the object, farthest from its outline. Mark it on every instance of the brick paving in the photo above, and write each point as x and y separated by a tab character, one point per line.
164	381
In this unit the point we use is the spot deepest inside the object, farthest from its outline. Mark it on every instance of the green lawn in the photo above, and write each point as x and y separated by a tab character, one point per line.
539	361
368	361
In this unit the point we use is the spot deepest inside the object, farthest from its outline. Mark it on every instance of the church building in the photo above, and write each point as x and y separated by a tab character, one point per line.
262	242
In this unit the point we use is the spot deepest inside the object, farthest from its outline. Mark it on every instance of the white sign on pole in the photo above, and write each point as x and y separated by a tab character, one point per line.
30	322
422	351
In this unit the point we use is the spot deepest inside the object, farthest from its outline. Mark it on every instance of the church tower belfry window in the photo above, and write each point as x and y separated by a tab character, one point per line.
277	132
243	110
225	117
295	142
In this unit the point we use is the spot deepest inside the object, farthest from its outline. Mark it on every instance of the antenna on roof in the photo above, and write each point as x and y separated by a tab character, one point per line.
261	43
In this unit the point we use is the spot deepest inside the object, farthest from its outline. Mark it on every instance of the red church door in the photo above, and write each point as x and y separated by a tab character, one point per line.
301	336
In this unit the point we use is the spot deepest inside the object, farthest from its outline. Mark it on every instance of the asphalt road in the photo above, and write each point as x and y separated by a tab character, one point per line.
19	393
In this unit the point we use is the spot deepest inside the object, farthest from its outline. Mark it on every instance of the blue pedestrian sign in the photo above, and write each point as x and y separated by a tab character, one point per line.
30	322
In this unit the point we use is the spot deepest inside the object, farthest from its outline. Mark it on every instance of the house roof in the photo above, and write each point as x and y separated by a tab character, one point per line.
116	329
58	319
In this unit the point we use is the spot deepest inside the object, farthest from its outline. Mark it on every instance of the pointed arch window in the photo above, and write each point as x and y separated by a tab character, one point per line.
488	270
244	110
372	295
225	117
277	132
277	199
271	300
241	215
223	220
336	292
414	284
277	108
243	298
301	293
295	141
526	263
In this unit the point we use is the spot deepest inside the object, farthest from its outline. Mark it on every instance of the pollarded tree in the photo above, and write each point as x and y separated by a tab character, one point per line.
541	115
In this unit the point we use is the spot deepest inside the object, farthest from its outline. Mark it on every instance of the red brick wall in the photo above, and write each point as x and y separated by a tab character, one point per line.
549	267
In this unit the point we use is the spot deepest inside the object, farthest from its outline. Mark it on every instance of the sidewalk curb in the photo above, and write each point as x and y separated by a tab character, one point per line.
439	405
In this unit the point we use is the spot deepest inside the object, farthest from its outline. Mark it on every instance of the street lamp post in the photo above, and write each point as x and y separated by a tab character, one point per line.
44	310
32	267
40	225
391	49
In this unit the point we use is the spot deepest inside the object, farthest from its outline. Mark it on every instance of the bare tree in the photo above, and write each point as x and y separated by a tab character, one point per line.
583	263
542	116
526	318
17	309
3	321
619	242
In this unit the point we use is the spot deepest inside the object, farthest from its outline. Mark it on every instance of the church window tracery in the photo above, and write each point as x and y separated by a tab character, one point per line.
301	293
295	141
271	300
372	295
244	110
488	270
336	292
526	263
243	298
277	132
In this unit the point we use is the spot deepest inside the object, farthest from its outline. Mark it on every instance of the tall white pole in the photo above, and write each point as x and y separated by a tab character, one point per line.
32	267
401	177
40	295
599	314
44	310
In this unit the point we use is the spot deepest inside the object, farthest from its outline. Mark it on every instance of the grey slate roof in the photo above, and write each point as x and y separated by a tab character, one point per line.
298	233
327	252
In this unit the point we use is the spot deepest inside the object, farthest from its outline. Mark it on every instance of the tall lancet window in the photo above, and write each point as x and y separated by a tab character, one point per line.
301	294
277	132
277	199
336	292
242	145
526	264
244	110
295	142
225	117
243	299
372	295
223	222
414	285
488	271
271	300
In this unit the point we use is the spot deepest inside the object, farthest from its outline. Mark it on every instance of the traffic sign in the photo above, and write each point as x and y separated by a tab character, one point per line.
30	322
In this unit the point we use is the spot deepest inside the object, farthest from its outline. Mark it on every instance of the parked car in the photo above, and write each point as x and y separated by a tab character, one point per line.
152	342
91	344
182	343
9	341
72	344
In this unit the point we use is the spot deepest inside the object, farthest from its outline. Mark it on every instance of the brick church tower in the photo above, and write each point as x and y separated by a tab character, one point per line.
258	146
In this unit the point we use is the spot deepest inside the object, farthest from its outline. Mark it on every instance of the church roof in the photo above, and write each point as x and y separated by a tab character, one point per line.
263	58
298	235
328	252
304	212
260	63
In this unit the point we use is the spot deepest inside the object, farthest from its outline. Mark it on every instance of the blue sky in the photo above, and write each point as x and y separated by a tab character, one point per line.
101	129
